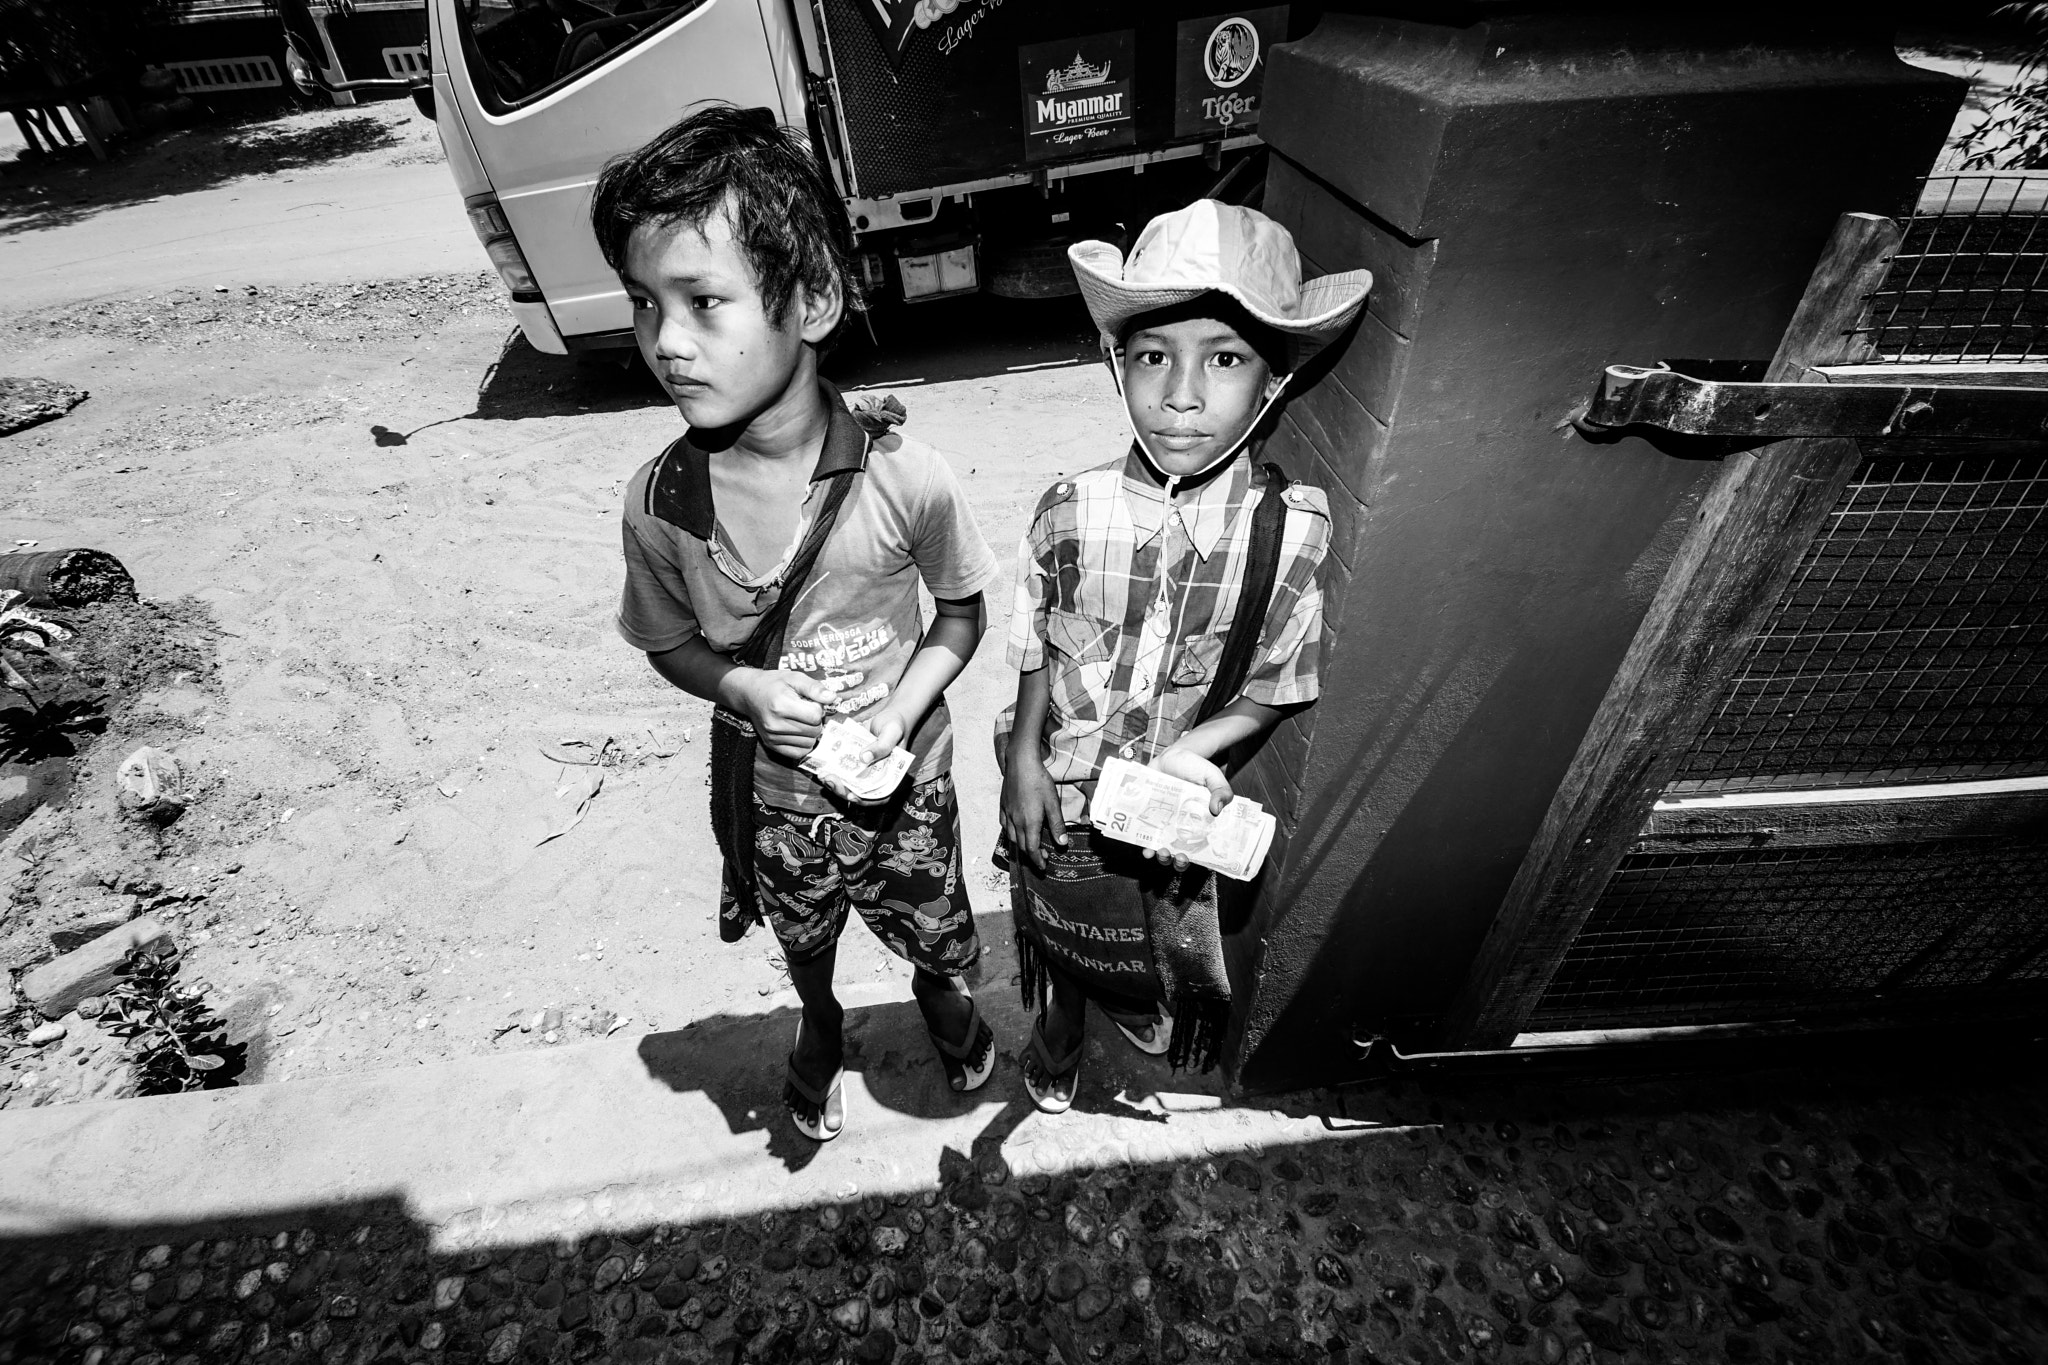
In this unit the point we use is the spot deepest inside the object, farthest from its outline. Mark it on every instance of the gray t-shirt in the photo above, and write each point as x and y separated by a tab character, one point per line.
905	520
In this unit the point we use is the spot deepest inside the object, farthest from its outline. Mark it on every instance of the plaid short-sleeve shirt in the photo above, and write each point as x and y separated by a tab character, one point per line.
1106	551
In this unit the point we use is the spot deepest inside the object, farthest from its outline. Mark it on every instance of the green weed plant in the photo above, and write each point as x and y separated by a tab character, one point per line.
173	1039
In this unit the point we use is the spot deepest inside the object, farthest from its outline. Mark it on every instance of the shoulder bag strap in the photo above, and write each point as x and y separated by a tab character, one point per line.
764	642
1249	621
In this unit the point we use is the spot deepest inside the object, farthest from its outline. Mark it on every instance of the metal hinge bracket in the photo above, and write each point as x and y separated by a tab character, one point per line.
1632	395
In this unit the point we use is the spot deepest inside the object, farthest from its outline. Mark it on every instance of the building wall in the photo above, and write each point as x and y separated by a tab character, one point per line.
1537	197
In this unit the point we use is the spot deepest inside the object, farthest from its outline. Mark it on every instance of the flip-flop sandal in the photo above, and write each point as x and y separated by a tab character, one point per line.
1157	1044
1063	1074
969	1065
827	1124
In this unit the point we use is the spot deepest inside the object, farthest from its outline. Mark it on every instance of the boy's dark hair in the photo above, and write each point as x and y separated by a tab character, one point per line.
786	219
1274	346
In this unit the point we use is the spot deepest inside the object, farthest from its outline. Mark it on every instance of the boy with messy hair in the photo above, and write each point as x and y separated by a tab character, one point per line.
1167	612
773	556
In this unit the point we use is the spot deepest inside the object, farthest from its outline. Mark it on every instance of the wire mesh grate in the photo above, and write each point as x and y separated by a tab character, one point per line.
1970	280
1760	934
1912	644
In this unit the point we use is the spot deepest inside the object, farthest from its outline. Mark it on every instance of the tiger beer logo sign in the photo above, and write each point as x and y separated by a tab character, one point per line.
1231	52
1077	95
1220	71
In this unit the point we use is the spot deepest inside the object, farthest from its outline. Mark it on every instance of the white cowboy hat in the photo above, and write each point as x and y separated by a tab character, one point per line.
1211	246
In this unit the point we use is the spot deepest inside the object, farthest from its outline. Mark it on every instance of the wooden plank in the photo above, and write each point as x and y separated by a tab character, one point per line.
1753	527
1825	823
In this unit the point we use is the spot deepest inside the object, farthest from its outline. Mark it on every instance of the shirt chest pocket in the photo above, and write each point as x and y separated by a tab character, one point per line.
1195	661
1087	650
1080	638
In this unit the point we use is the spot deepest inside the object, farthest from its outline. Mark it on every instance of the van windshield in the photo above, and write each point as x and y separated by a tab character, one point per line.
517	49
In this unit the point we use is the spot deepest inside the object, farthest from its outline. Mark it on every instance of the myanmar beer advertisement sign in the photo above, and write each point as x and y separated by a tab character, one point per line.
1220	70
1077	95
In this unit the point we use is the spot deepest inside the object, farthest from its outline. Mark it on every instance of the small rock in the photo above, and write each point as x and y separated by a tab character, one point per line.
1545	1282
56	987
447	1291
1067	1280
1604	1258
1092	1303
1082	1226
1717	1223
26	402
42	1035
888	1241
851	1317
504	1345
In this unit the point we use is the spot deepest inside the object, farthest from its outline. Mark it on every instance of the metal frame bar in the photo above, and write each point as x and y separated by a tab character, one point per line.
1633	395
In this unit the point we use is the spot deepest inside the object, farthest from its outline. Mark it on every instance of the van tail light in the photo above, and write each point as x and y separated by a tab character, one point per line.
494	230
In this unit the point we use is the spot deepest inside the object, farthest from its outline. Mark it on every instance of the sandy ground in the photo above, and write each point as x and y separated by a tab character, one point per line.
331	195
401	523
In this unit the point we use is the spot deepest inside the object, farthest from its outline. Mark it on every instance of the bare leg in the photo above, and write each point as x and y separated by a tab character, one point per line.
1061	1020
945	1007
821	1048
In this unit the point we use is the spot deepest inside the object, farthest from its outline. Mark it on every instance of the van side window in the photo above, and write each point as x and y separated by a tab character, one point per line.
519	49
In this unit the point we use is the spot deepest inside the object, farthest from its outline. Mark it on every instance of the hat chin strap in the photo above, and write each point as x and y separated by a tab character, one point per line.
1116	365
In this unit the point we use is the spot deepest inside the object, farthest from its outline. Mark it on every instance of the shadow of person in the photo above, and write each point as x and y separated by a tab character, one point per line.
739	1062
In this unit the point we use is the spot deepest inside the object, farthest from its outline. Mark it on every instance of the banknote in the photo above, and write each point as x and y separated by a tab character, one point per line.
1159	812
836	760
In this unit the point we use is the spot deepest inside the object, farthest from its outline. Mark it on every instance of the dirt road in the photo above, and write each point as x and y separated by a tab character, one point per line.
330	195
403	525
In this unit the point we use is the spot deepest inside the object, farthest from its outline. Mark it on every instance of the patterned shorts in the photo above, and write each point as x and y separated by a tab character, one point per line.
898	865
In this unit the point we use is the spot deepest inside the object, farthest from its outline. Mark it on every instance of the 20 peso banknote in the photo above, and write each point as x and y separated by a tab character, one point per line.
1159	812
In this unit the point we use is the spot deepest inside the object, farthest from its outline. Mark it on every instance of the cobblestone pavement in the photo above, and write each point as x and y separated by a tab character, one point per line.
1795	1217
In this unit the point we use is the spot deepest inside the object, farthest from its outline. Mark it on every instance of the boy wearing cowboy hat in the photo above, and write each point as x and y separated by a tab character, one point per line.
1129	582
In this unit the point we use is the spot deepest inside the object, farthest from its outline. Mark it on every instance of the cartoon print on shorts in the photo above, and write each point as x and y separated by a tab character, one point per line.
919	848
795	851
900	867
934	933
915	851
801	938
851	843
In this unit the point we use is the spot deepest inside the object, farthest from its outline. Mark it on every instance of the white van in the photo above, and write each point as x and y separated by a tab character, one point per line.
969	139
